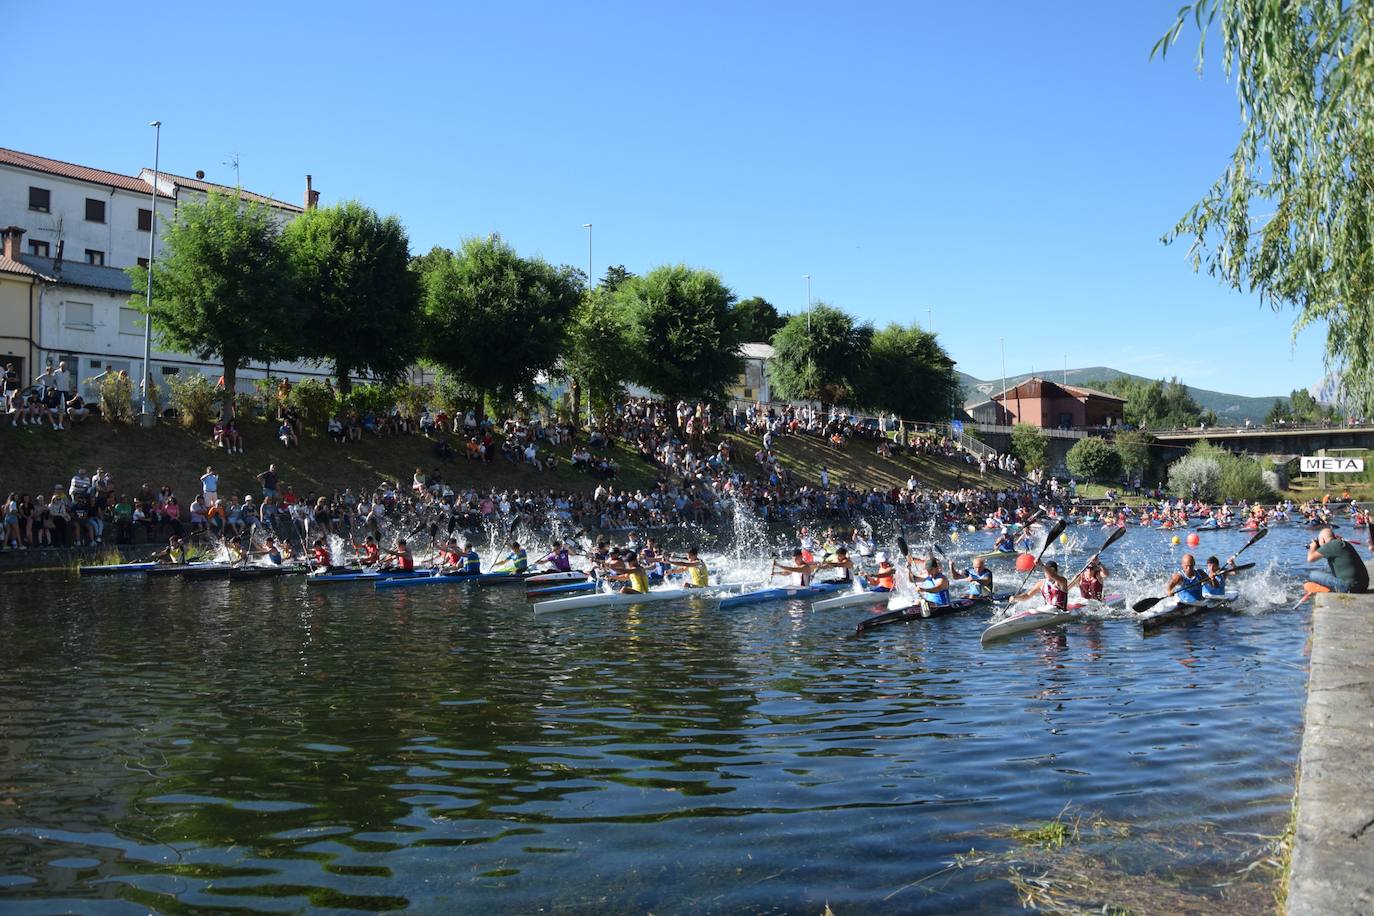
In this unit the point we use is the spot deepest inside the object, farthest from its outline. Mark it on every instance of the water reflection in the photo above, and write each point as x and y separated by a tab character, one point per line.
174	745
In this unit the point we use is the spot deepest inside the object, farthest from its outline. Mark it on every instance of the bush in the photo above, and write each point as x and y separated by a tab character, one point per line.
376	398
1094	459
1030	445
452	396
116	393
1195	475
194	396
1219	475
1243	478
412	399
247	404
1134	448
314	399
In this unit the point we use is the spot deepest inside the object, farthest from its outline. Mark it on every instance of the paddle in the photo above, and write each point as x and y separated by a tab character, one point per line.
1054	533
1310	589
1112	538
1145	604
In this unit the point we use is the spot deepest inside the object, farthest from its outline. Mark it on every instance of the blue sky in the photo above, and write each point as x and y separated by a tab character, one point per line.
1006	167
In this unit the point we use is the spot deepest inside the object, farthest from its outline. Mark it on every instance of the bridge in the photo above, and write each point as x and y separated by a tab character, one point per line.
1284	439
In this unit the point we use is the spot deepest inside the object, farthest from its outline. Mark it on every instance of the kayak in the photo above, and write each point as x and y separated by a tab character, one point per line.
238	573
571	575
1178	610
452	579
115	569
853	599
582	586
372	575
914	612
1036	618
606	599
778	594
995	555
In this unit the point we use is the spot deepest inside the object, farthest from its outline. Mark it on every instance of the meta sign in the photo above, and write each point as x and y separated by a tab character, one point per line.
1322	465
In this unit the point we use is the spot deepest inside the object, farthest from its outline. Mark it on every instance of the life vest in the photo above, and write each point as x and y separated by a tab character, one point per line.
883	580
1189	587
982	579
1216	586
936	599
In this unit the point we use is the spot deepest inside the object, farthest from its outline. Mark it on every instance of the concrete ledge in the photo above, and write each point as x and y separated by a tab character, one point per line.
1333	849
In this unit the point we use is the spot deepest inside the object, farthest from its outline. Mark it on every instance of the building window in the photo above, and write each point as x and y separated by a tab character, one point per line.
171	370
40	199
80	315
95	257
130	321
143	262
95	210
145	220
38	248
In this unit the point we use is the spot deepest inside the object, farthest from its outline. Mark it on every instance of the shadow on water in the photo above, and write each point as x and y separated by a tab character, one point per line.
184	746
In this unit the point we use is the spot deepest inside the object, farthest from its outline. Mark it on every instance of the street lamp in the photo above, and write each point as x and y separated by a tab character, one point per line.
590	283
152	237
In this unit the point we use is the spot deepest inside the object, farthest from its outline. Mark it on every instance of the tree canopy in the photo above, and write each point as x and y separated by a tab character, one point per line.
598	350
821	355
758	319
1029	443
494	319
1093	458
223	287
350	267
1292	215
910	374
681	331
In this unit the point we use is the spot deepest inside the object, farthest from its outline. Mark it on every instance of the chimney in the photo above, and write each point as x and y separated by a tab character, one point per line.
312	197
13	239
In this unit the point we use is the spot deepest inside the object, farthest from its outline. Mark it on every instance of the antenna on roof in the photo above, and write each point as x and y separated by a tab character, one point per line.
233	163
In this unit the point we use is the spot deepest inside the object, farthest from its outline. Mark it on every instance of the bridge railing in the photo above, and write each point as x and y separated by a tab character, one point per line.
1261	429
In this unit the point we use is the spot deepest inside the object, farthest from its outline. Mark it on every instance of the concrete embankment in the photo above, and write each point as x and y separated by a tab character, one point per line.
1332	868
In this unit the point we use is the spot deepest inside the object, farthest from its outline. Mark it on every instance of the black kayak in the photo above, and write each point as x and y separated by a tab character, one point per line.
908	614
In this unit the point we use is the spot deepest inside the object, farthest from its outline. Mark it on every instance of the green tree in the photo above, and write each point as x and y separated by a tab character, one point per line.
758	319
223	287
1029	444
1292	215
681	331
1093	458
495	320
1133	446
1307	409
615	277
821	355
599	352
351	271
910	375
1280	412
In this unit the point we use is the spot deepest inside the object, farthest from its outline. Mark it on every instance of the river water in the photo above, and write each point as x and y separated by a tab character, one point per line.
265	746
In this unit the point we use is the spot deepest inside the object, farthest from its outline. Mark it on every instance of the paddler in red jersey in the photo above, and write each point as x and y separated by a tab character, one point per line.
1054	590
400	558
1091	581
320	557
369	554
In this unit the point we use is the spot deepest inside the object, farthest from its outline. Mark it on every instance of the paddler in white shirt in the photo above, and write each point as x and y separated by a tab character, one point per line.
800	570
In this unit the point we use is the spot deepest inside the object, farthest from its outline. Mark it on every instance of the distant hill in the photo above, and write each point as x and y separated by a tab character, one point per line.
1226	406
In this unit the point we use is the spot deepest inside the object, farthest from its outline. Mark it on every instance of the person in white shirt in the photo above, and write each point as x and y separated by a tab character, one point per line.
209	482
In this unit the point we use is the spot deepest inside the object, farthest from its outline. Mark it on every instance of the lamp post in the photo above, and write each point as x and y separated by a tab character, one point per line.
930	321
590	282
1002	342
152	237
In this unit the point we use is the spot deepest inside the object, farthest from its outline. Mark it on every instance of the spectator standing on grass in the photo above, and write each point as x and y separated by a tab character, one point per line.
269	481
209	485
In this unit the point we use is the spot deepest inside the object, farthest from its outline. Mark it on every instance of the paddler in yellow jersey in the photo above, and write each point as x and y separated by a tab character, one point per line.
635	578
698	576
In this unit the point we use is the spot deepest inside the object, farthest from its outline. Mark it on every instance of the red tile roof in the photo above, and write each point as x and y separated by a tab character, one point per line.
200	184
11	266
78	172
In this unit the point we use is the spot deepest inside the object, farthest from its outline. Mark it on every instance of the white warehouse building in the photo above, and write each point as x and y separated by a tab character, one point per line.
69	232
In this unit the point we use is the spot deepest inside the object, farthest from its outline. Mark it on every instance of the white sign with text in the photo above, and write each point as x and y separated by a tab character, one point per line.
1316	465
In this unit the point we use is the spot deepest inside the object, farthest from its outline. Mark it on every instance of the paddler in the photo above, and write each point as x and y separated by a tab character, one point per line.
635	578
1053	590
269	550
1214	584
979	576
840	560
934	586
1347	571
449	557
175	552
470	563
801	569
369	554
320	557
400	558
884	578
516	561
1090	583
1004	543
557	556
1187	583
698	576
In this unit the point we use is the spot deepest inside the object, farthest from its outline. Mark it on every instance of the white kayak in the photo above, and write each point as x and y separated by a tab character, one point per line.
603	599
1038	617
852	599
555	576
1177	610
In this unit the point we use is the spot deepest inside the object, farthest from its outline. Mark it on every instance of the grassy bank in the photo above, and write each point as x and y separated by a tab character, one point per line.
37	458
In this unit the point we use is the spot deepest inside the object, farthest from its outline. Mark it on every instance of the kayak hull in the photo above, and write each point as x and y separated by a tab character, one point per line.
1158	616
914	612
1037	618
116	569
375	576
761	595
853	599
609	599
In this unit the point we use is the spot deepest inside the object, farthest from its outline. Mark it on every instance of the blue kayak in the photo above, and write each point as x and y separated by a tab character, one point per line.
778	594
369	576
583	586
115	569
453	579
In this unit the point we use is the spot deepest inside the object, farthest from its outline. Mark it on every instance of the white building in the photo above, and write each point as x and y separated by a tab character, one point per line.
70	232
752	384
